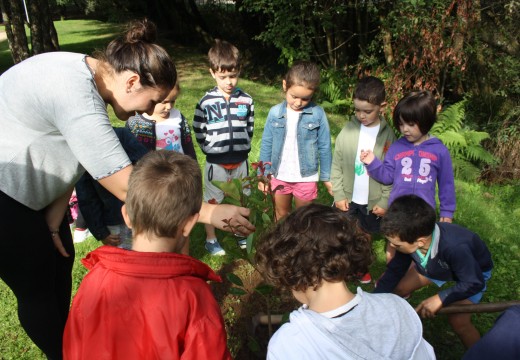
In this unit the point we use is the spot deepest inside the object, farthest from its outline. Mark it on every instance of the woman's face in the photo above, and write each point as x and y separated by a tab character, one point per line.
129	96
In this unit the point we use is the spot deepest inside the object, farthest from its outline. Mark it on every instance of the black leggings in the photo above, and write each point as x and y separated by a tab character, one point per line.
38	275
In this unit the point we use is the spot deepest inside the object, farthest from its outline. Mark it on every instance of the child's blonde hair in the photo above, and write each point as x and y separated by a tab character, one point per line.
303	73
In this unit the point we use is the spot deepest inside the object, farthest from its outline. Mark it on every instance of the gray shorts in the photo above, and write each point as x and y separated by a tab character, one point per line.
217	172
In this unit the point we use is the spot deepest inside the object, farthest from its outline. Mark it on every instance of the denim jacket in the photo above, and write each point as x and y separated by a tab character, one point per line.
313	136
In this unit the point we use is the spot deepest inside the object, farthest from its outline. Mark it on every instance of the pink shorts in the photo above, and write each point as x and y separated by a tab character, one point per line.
307	191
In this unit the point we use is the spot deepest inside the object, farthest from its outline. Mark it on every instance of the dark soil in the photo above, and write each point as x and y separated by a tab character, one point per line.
245	340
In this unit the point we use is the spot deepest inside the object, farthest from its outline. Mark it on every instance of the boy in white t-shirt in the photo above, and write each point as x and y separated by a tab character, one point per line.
354	191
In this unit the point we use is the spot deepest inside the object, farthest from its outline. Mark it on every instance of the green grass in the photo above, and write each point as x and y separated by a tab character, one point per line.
83	36
493	212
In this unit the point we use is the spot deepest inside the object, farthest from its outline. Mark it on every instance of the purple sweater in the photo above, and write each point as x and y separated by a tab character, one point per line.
416	170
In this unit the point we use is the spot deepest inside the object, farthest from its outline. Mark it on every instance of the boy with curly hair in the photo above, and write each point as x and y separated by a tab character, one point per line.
315	252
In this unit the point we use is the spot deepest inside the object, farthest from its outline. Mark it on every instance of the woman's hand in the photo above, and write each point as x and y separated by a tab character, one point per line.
54	214
58	244
226	217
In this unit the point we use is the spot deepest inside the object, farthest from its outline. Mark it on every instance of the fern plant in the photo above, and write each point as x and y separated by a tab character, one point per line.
465	145
332	95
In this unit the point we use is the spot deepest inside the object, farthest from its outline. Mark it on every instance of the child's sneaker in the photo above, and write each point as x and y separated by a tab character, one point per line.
214	248
365	279
242	243
81	235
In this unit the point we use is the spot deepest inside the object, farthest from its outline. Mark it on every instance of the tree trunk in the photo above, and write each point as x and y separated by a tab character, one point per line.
43	33
13	15
387	46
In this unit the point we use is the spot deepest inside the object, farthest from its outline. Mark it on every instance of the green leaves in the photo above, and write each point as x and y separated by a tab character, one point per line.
232	189
465	145
235	280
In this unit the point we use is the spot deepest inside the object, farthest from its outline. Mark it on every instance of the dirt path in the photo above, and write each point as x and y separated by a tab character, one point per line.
3	36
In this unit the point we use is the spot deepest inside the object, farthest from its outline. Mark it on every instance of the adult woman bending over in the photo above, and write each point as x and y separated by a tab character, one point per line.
54	127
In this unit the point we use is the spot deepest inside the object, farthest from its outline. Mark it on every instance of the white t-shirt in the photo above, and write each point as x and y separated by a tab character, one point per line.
168	133
367	141
54	126
289	169
378	327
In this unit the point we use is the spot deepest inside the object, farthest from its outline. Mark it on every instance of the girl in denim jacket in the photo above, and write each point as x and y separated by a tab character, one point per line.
296	141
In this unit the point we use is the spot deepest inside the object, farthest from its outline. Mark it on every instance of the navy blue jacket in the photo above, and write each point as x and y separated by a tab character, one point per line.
502	341
461	256
97	205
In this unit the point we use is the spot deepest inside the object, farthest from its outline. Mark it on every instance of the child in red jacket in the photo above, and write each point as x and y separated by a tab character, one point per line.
152	302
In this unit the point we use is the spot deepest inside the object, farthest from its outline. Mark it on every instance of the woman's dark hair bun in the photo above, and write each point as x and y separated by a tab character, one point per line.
140	30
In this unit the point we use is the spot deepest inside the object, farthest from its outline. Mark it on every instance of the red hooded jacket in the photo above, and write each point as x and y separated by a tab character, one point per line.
137	305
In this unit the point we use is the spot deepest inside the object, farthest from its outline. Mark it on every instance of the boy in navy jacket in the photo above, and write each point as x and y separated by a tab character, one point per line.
441	252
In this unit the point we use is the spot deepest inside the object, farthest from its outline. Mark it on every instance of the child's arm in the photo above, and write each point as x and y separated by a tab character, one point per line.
266	146
186	140
470	282
92	209
429	307
467	272
328	186
342	204
199	125
382	172
325	151
251	121
379	211
446	182
336	175
395	271
205	338
262	187
367	156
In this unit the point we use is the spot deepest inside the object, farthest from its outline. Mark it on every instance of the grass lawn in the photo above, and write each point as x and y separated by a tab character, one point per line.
493	212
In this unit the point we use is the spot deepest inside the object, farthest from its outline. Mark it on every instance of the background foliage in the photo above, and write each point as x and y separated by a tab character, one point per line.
467	51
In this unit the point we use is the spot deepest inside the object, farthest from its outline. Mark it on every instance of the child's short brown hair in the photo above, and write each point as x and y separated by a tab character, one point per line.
371	90
315	243
165	188
224	56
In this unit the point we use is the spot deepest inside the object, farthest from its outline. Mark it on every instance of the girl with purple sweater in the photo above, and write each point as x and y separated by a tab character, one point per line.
417	162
